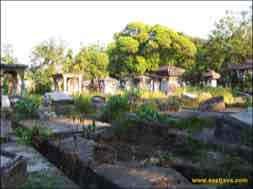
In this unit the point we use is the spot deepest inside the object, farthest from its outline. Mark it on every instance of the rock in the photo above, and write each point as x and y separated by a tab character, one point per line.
58	98
98	101
232	130
5	102
13	170
136	177
213	104
244	116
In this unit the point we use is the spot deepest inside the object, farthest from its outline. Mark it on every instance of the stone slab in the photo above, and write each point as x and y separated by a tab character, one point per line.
148	177
37	164
62	125
244	116
5	102
57	97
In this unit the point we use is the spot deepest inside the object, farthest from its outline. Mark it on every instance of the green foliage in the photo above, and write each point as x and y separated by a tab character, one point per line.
27	107
193	124
4	88
39	180
247	84
204	93
7	55
122	125
173	103
115	106
148	112
25	136
83	104
92	61
140	48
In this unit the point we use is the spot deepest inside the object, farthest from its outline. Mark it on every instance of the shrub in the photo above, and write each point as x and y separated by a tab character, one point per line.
115	106
28	106
149	112
25	135
83	104
174	103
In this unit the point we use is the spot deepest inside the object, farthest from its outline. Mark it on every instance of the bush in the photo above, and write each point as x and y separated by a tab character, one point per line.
27	107
25	135
83	104
115	106
149	112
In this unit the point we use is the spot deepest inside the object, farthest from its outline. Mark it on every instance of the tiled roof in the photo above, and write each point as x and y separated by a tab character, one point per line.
211	74
169	70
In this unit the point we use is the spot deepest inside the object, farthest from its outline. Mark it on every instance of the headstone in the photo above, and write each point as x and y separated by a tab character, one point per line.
58	98
98	101
5	102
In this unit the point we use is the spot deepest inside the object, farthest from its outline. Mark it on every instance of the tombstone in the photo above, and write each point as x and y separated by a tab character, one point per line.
59	98
5	101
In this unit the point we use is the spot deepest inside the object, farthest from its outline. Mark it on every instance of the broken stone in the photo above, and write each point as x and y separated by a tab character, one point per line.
13	170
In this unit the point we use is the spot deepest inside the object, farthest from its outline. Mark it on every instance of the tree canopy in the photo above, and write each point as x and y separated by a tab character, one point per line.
140	48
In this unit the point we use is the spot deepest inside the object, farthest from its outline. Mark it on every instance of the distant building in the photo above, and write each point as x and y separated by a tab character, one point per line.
237	72
13	74
166	79
210	78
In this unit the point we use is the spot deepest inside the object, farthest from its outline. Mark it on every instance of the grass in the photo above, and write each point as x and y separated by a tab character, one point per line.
39	180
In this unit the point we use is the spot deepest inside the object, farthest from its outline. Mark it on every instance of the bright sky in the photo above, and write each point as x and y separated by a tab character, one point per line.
27	23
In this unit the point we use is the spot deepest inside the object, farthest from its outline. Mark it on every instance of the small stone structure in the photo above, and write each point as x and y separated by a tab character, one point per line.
210	78
167	78
237	72
14	74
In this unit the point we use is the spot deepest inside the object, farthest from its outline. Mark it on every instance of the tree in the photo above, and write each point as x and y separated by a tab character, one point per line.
230	41
68	61
7	54
140	48
45	57
92	61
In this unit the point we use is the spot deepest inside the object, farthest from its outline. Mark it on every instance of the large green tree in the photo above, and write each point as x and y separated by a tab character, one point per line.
140	48
230	41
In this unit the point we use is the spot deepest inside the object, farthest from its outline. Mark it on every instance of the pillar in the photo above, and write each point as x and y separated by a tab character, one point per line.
65	83
80	83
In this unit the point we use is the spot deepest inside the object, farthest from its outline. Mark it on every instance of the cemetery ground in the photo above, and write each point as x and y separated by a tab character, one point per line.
131	140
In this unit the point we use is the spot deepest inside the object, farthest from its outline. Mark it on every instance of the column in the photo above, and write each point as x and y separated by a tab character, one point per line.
65	83
22	83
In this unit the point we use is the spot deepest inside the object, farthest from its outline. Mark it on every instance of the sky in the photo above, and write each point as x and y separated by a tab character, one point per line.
25	24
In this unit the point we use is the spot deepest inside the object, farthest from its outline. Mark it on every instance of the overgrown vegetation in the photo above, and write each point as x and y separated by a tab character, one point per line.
83	104
25	135
115	106
40	180
27	107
